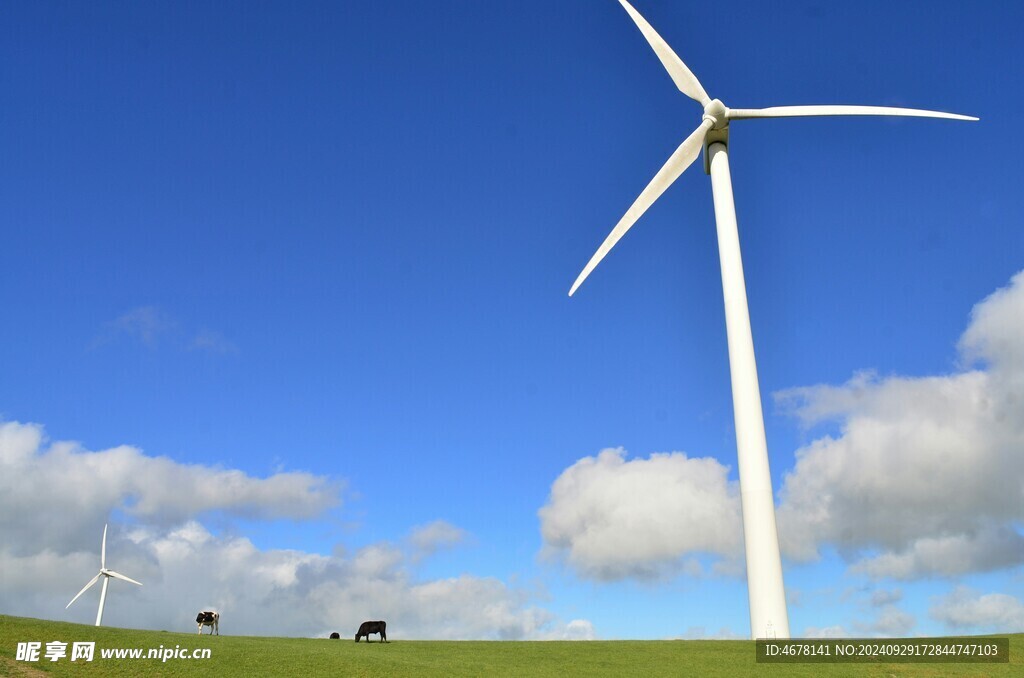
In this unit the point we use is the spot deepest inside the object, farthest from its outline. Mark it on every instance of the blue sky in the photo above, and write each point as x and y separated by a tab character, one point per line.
308	263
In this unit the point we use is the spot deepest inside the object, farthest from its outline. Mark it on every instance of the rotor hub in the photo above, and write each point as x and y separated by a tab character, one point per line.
717	113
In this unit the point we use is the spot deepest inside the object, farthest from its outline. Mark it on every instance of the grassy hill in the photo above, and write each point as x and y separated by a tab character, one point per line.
245	656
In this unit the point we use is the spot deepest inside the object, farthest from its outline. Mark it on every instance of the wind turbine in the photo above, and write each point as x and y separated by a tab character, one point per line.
106	574
768	615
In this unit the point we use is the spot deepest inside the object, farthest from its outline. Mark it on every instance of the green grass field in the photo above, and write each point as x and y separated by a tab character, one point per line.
253	656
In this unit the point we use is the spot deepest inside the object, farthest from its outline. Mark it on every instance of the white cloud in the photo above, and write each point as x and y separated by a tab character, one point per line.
882	597
55	498
890	622
836	631
700	633
39	481
269	592
474	607
995	330
610	518
882	618
578	629
990	548
965	610
925	477
438	535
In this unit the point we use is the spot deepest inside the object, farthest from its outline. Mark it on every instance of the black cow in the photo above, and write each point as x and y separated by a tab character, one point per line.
211	619
336	636
368	627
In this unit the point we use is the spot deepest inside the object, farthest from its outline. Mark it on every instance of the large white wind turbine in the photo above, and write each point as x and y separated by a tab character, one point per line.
768	615
106	574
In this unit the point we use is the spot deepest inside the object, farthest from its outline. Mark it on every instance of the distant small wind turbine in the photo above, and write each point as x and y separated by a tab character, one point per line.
765	591
106	574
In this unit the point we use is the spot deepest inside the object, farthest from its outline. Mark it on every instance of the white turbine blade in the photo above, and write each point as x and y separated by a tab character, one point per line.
85	588
799	111
685	80
670	171
103	549
118	575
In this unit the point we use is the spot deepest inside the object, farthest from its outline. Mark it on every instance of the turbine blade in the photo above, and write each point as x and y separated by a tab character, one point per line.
799	111
118	575
670	171
103	549
685	80
84	589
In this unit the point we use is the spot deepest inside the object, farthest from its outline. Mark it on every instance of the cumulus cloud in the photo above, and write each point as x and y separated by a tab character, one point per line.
270	592
578	629
883	597
964	609
836	631
39	481
995	330
700	633
880	616
925	477
436	536
611	518
991	548
55	498
475	607
889	622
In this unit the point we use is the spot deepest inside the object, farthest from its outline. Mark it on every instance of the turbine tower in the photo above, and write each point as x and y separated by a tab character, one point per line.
106	574
765	590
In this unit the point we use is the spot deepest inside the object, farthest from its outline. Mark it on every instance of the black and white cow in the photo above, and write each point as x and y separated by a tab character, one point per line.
368	627
211	619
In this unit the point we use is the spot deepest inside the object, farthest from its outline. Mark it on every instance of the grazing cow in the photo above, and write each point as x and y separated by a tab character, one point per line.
368	627
336	636
211	619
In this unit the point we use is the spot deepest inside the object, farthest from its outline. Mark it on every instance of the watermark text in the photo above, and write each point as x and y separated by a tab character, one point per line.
57	650
974	650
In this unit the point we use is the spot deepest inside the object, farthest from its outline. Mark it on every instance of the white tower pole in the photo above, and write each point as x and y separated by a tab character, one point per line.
103	598
767	595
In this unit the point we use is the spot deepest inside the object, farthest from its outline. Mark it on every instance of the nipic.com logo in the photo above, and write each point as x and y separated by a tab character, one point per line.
56	650
30	652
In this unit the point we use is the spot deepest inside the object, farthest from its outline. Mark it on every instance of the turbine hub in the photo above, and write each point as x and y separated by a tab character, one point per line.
717	113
